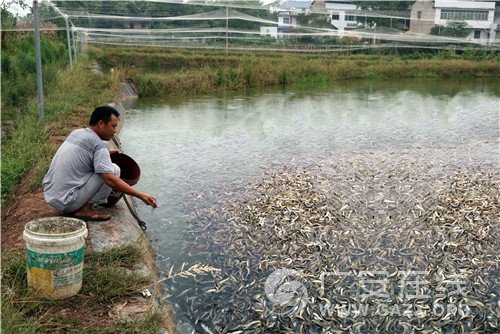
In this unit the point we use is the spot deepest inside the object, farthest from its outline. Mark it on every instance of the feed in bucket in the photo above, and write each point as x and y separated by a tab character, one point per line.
54	255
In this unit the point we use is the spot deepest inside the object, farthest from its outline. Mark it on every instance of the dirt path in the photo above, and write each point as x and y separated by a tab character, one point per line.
26	205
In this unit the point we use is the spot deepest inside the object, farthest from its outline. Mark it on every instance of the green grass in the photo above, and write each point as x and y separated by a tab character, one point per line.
105	280
111	283
17	302
172	72
19	72
255	72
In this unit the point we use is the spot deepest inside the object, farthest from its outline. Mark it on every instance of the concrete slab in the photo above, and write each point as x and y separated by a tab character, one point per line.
121	229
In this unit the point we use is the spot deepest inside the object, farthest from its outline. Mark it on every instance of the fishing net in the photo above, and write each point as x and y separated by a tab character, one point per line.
250	24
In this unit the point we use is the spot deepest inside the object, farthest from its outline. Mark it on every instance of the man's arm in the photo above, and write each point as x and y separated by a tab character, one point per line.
119	185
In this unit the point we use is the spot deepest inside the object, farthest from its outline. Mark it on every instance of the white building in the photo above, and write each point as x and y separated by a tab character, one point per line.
338	14
269	32
479	16
289	11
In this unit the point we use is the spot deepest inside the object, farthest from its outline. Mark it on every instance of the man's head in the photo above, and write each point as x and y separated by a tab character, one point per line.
104	121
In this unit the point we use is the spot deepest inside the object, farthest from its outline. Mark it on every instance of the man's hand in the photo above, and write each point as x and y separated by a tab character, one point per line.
148	199
119	185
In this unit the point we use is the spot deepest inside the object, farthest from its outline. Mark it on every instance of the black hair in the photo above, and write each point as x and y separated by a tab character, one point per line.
103	114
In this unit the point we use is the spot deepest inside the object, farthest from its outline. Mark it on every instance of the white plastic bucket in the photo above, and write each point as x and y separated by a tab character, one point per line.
54	255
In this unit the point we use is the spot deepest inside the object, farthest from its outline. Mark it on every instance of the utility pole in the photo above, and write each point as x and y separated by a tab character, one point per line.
74	40
69	41
38	59
227	26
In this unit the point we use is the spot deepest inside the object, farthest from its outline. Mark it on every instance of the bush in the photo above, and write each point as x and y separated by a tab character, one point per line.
19	72
452	29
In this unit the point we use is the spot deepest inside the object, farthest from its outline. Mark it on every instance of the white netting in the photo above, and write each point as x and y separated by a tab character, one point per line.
198	23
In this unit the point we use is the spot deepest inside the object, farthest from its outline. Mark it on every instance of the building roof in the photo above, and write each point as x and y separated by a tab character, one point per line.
296	4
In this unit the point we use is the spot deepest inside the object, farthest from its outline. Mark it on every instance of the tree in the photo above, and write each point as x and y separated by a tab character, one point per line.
388	8
383	5
8	19
452	29
456	29
8	4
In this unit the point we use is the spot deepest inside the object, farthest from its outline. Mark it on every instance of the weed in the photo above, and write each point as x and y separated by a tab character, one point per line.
211	71
106	279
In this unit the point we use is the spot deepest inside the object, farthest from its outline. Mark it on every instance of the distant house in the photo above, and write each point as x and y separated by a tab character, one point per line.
269	31
479	16
337	12
289	11
422	17
340	14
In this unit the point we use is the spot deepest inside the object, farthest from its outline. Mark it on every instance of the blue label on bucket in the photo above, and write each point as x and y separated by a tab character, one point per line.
54	261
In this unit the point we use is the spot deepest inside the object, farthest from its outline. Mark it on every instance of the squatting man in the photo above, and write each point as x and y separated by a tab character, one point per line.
81	173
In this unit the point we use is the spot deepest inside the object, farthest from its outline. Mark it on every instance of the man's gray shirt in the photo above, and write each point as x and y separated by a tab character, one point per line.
81	155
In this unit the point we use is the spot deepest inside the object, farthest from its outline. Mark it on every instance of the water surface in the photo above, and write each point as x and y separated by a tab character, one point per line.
195	150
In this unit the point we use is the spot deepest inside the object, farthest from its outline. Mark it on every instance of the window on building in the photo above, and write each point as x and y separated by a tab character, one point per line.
335	17
350	17
419	15
464	14
482	16
286	20
477	34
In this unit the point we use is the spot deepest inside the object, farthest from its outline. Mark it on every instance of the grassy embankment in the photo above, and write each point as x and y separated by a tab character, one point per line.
106	280
170	72
27	148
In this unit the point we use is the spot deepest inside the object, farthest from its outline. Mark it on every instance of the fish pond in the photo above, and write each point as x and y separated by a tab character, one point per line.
358	207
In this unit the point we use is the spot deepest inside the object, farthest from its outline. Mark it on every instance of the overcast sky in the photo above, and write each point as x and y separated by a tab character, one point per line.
17	10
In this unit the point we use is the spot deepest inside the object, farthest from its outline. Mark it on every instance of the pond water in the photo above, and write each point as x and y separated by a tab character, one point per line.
199	154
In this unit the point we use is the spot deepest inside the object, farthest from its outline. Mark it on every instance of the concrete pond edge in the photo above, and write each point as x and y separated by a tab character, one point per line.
123	229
